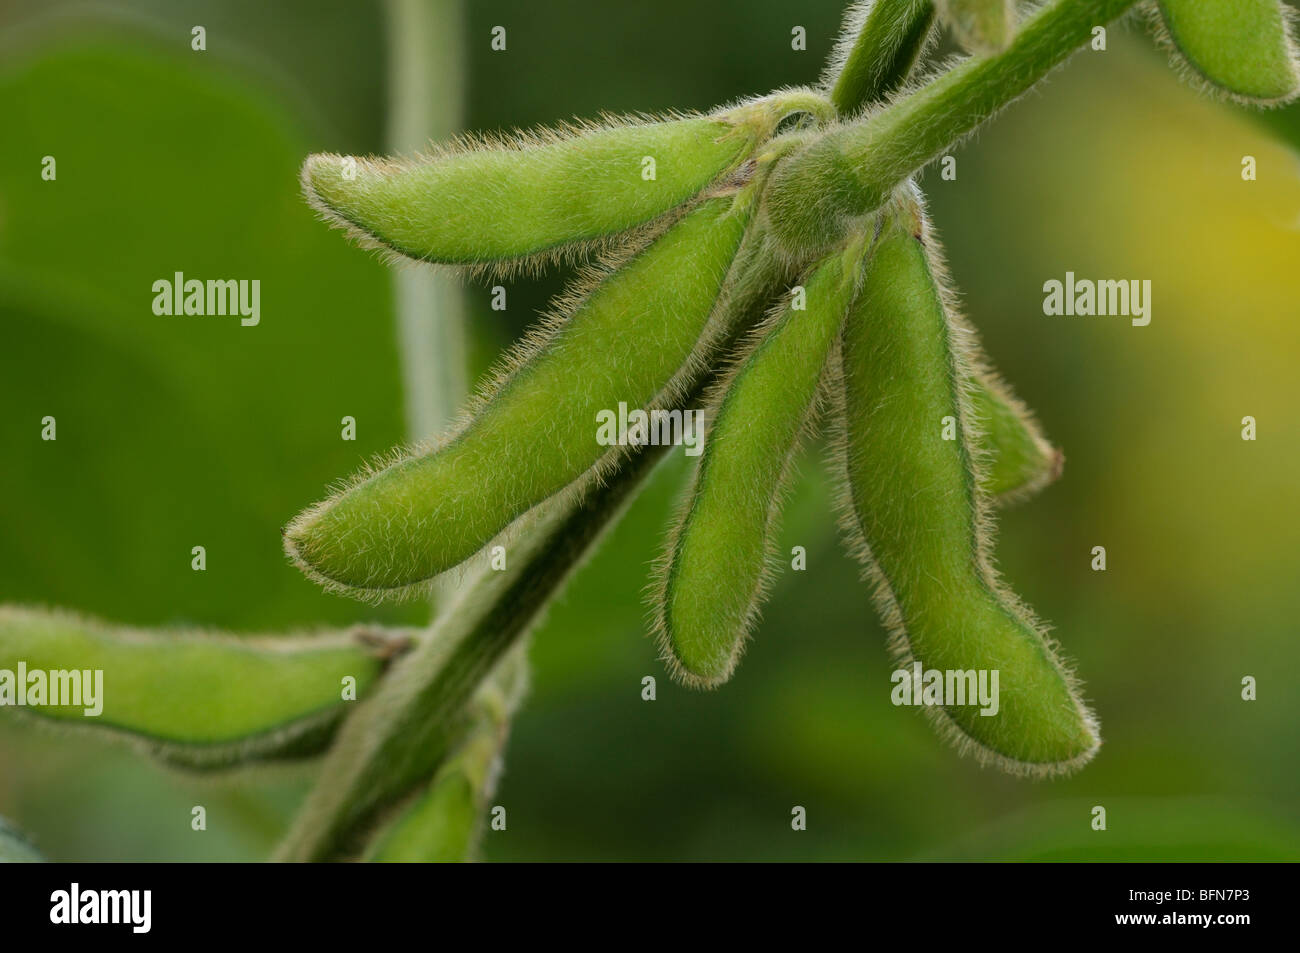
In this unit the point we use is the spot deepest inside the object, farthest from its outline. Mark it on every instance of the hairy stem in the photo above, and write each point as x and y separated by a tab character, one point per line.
919	127
889	40
823	191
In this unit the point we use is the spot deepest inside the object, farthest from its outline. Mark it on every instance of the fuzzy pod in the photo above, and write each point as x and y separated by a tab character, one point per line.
440	825
913	511
538	197
443	823
719	558
194	700
880	44
629	339
980	26
1017	459
1242	49
418	715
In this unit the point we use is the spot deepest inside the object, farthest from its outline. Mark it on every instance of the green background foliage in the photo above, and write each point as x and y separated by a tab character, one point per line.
175	432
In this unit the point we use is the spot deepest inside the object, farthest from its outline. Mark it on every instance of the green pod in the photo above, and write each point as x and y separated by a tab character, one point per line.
719	557
1241	48
416	718
194	700
442	823
629	340
913	509
981	26
1016	459
440	826
536	198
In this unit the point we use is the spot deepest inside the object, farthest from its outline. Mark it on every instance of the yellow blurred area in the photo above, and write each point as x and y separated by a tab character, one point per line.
1155	191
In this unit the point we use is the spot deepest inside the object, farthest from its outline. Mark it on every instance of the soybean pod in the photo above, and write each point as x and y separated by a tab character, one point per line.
879	47
1242	49
627	340
981	26
718	558
914	511
1017	459
193	699
532	198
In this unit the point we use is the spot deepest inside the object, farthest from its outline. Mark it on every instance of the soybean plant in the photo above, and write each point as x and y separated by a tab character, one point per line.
770	264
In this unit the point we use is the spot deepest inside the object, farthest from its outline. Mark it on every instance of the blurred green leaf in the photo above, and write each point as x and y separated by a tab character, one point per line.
173	432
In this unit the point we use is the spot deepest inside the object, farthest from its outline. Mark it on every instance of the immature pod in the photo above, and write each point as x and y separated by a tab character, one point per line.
913	509
981	26
416	717
880	44
440	825
1243	48
718	558
195	700
1016	460
443	823
626	341
535	197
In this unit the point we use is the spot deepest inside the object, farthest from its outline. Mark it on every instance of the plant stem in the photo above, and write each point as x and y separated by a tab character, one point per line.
888	42
850	172
425	77
914	130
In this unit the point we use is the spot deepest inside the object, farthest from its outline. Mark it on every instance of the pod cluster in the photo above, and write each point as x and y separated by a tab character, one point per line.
771	266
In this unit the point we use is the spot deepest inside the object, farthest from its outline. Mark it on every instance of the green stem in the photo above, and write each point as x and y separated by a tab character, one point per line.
888	42
818	193
425	78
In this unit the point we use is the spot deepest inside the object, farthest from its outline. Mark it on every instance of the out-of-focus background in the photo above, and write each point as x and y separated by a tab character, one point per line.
176	432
